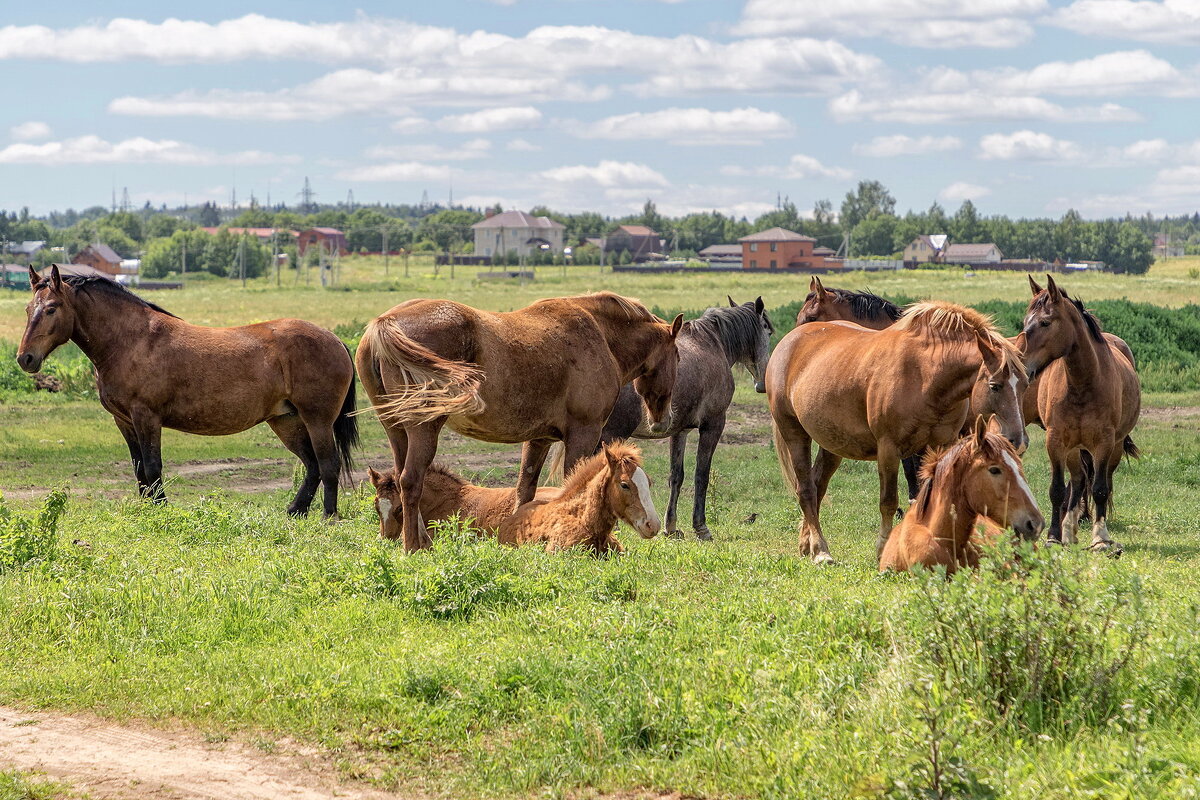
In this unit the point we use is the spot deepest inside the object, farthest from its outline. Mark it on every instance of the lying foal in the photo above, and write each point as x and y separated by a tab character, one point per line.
977	482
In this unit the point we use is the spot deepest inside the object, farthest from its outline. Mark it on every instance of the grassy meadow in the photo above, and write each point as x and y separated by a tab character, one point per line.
728	669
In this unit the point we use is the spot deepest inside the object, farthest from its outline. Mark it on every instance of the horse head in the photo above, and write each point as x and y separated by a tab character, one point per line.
50	319
994	482
657	380
1049	328
998	389
757	366
628	489
387	503
823	306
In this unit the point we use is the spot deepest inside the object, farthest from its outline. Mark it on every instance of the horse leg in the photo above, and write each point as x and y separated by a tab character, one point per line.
793	445
422	447
710	435
135	454
887	464
148	429
330	466
1105	465
1074	506
294	435
1058	497
678	450
1089	476
533	455
912	466
826	464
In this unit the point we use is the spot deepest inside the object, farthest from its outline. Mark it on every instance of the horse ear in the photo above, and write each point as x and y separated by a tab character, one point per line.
1052	287
376	478
759	308
676	326
1033	285
980	435
731	303
820	288
610	456
812	283
34	279
55	278
993	358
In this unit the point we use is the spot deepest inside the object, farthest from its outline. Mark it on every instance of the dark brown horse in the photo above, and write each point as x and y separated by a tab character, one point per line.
551	371
1088	398
998	396
709	347
876	396
153	370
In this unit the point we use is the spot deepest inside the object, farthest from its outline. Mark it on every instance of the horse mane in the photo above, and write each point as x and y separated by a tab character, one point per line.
952	321
97	283
949	458
389	483
865	304
632	308
735	327
622	452
1089	319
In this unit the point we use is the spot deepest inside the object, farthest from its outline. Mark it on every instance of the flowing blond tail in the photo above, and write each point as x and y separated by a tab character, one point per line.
555	472
436	387
785	460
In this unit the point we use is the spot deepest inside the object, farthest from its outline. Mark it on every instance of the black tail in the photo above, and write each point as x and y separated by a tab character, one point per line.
1131	449
345	427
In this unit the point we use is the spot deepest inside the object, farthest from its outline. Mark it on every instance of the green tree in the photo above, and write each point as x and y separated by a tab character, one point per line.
874	236
965	227
448	230
871	198
786	217
1134	250
1068	236
166	254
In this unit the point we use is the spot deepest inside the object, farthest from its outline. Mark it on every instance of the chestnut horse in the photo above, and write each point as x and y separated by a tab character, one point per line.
551	371
448	494
1088	398
877	396
609	486
153	370
976	483
709	347
989	398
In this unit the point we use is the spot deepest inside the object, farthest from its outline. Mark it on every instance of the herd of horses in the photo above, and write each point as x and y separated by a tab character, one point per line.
933	387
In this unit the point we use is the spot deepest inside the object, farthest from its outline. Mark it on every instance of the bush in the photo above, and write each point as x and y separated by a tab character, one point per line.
23	540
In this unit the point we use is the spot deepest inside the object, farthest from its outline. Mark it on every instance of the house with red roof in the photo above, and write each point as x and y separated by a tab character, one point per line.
779	248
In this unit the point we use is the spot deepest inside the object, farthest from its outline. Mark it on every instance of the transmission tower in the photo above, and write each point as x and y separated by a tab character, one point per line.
424	199
306	196
350	200
126	205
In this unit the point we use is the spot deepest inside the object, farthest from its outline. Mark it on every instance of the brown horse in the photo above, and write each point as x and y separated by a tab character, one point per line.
609	486
877	396
709	347
977	482
1088	400
446	495
551	371
998	396
153	370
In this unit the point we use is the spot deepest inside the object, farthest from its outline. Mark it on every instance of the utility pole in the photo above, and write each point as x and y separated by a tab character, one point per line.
385	250
275	256
184	272
242	259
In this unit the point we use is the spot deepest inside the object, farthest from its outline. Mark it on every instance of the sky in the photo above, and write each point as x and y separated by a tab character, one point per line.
1025	107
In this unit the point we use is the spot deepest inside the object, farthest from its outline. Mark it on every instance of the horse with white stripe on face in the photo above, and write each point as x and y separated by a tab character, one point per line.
976	483
609	486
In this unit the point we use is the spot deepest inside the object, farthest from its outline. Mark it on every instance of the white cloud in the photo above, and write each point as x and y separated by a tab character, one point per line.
1166	22
506	118
522	146
1027	146
901	145
409	125
799	167
917	23
1122	72
607	174
970	106
138	150
398	171
961	190
1147	150
30	131
475	148
690	126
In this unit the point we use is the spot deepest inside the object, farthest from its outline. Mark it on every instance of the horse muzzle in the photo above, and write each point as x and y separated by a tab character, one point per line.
661	426
760	387
1028	525
29	362
647	527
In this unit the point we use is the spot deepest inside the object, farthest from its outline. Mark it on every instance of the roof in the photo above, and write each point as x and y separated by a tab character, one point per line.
970	250
105	252
27	247
83	270
636	230
722	250
776	235
261	233
517	219
325	231
935	241
823	251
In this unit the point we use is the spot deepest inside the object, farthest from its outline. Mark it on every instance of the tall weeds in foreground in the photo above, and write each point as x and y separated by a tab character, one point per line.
24	539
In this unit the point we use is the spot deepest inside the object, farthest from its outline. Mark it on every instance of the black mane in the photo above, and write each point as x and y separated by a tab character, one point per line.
97	283
735	327
1089	319
868	305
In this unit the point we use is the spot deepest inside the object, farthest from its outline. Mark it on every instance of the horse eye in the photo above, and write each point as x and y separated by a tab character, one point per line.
994	470
995	387
1045	323
50	311
625	486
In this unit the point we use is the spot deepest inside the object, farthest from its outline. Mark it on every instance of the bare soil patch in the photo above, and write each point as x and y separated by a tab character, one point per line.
130	762
1171	413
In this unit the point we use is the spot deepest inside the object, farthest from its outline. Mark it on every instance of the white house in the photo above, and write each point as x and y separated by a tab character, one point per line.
517	232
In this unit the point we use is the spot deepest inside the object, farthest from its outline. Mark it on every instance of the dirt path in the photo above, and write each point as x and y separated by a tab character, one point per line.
116	762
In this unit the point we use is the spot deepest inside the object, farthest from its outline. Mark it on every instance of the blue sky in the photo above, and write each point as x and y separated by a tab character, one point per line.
1027	107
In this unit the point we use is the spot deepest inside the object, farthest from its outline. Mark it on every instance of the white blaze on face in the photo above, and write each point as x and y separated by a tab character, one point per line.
643	489
385	510
1021	484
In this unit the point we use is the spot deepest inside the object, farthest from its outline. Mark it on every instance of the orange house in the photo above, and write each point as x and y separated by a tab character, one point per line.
777	248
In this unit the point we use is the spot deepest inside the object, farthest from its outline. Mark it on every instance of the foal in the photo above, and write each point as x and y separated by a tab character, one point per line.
978	481
608	486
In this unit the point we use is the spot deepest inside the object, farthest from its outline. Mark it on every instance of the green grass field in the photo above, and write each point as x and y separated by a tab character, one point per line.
727	669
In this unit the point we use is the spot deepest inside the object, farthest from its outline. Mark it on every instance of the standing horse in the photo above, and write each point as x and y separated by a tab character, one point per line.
992	396
976	483
1088	400
709	347
877	396
153	370
602	489
551	371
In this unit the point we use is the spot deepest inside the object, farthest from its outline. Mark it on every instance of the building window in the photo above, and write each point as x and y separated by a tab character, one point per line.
774	247
773	264
753	264
754	247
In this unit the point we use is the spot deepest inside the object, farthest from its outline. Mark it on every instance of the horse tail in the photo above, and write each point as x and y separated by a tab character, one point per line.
435	386
1131	449
345	427
556	472
785	460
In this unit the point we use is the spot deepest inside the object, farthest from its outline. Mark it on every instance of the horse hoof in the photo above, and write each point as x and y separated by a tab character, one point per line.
674	534
1110	549
704	535
821	559
1051	542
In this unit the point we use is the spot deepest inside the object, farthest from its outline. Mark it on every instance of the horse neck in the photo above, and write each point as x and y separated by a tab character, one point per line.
1086	359
955	373
589	508
630	342
105	326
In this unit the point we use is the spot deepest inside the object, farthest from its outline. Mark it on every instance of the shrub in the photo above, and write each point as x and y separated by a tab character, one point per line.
23	540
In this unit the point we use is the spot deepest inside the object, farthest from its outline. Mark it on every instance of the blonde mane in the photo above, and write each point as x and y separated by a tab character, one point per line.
622	452
944	320
631	307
